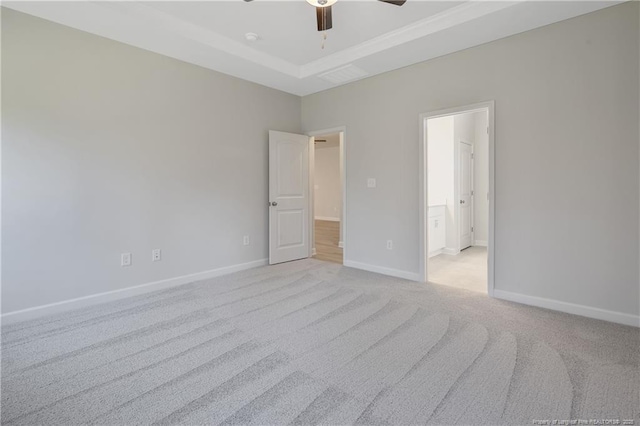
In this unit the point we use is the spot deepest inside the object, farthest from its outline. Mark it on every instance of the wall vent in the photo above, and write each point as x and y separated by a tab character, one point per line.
343	74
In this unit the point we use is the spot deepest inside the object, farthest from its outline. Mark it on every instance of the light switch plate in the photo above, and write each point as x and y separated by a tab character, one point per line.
125	259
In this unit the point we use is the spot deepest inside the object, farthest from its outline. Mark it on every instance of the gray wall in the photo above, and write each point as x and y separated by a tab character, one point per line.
566	99
327	186
107	148
110	149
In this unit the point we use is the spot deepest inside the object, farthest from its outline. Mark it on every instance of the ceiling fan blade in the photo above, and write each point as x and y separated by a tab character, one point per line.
323	14
396	2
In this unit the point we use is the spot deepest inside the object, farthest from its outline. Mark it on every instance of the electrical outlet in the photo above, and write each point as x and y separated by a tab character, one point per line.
371	183
156	255
389	245
125	259
245	240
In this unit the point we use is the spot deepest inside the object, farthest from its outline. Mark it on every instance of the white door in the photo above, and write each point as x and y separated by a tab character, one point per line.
289	230
466	198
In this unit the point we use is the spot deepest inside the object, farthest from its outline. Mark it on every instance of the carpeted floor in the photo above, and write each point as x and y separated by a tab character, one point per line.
310	342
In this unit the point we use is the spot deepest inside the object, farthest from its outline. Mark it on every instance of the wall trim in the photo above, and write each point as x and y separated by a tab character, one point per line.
451	251
570	308
330	219
108	296
435	252
384	271
481	243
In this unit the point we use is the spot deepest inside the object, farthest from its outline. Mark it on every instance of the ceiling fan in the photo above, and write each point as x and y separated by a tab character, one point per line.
323	11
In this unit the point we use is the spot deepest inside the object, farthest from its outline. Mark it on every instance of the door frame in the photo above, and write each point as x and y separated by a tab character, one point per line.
489	106
342	130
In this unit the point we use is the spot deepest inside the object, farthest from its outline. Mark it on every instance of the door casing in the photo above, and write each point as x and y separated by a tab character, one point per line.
342	130
488	106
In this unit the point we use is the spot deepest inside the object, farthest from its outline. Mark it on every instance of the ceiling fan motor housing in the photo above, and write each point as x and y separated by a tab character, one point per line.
324	18
323	11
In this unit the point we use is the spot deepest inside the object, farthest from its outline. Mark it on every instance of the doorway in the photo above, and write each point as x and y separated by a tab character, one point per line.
327	210
456	197
292	193
328	194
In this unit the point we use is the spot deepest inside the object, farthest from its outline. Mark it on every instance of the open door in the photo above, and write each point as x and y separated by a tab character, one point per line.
289	227
466	197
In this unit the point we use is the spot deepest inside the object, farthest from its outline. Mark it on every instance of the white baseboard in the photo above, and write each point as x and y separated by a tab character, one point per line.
571	308
480	243
94	299
450	251
313	251
341	244
384	271
435	252
329	218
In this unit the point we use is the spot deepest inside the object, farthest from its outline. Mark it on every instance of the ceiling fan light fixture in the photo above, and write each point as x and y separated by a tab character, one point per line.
321	3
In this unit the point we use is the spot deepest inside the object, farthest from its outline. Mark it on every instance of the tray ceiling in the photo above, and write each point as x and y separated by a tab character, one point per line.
368	37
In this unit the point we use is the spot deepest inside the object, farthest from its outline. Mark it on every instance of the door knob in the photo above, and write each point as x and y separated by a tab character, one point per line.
273	203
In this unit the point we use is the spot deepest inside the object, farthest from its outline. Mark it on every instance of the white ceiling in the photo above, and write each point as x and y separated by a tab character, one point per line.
368	37
288	29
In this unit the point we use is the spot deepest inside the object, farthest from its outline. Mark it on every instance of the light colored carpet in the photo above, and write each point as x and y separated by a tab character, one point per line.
310	342
467	269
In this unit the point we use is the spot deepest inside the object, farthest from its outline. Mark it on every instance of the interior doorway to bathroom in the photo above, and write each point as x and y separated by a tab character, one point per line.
457	193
